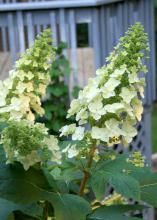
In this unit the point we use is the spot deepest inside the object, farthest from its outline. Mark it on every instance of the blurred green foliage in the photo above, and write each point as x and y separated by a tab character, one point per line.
57	101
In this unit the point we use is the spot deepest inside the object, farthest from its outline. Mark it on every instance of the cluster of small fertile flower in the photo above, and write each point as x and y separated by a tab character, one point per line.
136	159
111	102
22	139
29	143
27	81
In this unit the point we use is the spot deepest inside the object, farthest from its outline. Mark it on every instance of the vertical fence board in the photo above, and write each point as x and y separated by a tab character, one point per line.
130	13
11	30
119	22
96	38
125	15
62	26
109	29
103	35
63	34
38	28
136	12
4	38
73	45
30	28
53	24
44	26
20	27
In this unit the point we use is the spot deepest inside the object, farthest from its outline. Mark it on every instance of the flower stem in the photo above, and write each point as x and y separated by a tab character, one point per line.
86	172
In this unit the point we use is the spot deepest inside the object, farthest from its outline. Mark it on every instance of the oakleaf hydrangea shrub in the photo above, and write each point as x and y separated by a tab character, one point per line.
42	177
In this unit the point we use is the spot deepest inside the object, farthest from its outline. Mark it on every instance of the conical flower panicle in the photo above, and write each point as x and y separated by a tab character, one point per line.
27	81
22	139
111	102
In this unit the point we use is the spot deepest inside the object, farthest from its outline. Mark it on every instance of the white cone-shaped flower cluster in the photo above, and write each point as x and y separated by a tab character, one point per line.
22	139
27	82
111	102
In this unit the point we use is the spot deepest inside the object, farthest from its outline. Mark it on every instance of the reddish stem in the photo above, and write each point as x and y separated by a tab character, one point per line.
86	173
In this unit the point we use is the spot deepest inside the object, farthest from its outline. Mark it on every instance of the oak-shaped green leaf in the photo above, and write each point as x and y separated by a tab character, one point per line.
116	173
25	187
69	207
126	185
98	183
20	186
119	164
148	185
7	207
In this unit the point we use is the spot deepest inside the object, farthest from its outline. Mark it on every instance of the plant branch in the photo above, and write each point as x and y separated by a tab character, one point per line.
86	172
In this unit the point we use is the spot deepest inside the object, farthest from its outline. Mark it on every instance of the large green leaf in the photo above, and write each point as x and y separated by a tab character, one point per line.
98	183
114	212
20	186
50	179
7	207
125	185
148	185
25	187
118	164
115	172
127	179
33	210
69	207
72	174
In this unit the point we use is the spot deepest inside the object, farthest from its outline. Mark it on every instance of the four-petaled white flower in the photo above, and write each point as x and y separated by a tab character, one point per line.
78	134
100	134
67	130
108	88
128	94
74	107
119	72
96	108
71	150
128	132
